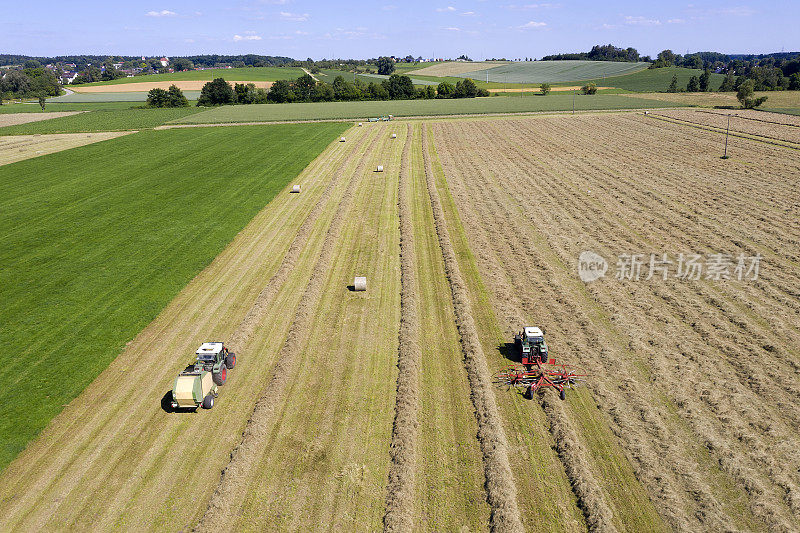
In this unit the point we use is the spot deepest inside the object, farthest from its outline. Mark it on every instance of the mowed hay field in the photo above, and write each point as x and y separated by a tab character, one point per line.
15	148
361	411
97	240
693	383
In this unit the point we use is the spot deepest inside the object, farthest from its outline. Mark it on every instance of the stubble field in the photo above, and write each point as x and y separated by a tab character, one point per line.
370	410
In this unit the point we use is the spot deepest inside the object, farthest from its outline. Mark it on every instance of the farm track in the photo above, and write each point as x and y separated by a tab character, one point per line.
731	402
90	454
500	487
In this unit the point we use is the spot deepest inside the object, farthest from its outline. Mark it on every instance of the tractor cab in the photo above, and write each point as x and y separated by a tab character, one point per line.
209	354
532	346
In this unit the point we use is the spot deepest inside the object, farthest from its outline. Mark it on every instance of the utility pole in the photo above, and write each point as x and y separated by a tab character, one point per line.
573	101
727	129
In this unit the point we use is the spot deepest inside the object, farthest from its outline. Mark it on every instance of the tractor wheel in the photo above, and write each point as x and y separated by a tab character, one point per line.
563	394
230	361
208	401
221	376
543	358
528	394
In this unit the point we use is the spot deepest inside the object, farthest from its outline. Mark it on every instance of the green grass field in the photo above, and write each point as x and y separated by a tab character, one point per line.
231	74
652	80
553	71
102	120
329	75
95	241
400	108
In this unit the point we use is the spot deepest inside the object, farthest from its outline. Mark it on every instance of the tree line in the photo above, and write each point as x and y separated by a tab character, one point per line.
30	82
601	52
307	89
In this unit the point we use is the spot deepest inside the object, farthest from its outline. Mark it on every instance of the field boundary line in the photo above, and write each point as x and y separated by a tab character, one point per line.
732	133
176	125
222	505
501	490
402	471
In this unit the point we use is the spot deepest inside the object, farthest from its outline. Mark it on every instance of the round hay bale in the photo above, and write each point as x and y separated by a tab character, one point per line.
379	169
295	188
341	140
360	124
360	283
394	136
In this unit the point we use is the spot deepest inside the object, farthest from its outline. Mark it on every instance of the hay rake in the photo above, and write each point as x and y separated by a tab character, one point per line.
532	378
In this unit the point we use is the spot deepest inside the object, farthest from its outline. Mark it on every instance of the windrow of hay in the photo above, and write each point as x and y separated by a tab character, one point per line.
571	452
501	491
402	471
224	503
573	456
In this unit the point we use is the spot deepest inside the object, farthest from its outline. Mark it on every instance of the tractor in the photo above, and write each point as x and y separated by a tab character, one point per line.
537	371
531	346
199	383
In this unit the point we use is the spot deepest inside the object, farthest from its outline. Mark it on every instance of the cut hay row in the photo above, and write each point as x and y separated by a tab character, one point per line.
229	493
570	451
708	415
402	471
500	488
788	133
107	462
576	465
240	338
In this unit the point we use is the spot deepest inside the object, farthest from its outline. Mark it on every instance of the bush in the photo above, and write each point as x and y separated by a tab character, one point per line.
466	89
746	95
545	88
216	92
694	85
589	88
171	98
445	90
483	92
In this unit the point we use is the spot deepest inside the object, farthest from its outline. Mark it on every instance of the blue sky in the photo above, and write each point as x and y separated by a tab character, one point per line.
440	28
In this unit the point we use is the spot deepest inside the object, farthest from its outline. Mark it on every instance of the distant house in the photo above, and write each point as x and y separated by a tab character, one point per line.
164	61
68	77
117	65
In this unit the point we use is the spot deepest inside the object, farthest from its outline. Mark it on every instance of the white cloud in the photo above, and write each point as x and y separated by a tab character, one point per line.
532	25
389	8
525	7
295	17
641	21
188	40
448	9
452	28
249	37
162	13
468	14
676	21
738	11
